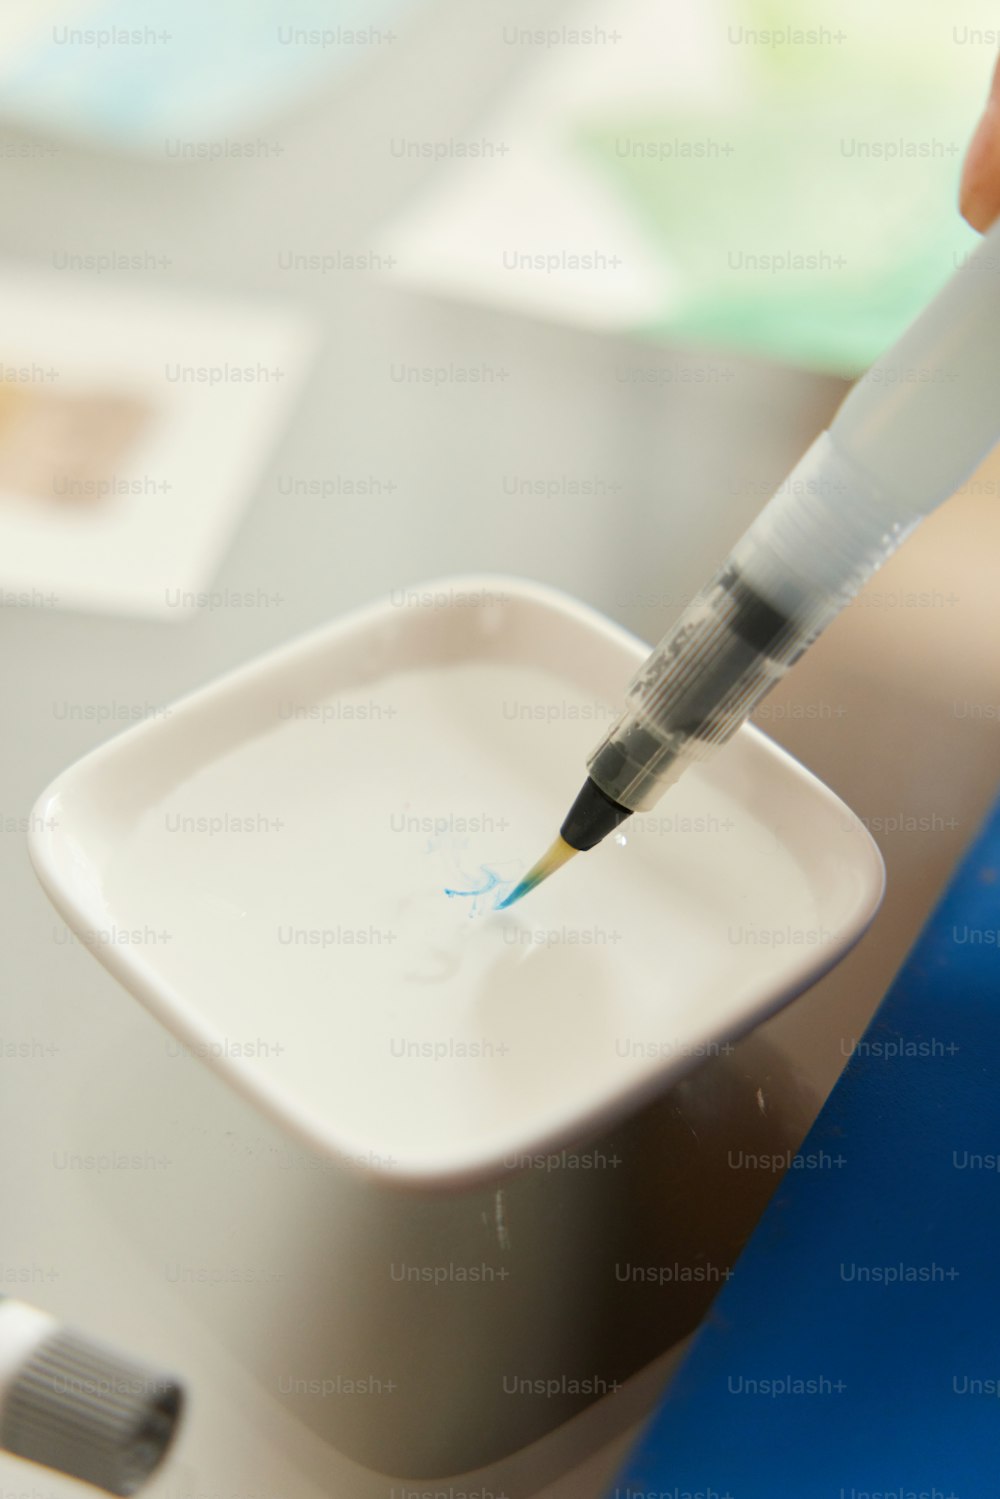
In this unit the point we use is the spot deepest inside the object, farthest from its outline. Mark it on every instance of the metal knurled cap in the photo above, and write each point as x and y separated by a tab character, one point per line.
80	1407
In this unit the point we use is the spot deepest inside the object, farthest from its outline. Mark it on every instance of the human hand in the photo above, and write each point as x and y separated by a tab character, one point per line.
979	194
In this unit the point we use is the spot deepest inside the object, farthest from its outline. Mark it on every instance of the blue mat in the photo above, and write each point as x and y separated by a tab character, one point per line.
855	1354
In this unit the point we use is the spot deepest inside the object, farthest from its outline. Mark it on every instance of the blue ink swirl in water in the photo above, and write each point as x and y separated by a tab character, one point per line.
493	881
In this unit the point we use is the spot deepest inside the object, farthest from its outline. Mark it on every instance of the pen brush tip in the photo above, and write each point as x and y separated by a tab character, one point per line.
554	859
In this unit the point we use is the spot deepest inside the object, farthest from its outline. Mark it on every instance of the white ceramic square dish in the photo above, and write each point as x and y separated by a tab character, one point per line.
437	1131
270	859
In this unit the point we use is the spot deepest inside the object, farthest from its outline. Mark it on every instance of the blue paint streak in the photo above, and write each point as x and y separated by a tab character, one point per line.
493	882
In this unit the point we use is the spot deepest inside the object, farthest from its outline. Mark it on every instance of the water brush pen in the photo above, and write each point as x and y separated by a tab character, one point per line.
906	436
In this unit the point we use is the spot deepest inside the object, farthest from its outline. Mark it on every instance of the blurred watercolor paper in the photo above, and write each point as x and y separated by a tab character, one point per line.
690	172
151	78
132	430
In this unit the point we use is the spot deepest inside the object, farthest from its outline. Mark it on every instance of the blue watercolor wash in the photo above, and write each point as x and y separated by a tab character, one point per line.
493	882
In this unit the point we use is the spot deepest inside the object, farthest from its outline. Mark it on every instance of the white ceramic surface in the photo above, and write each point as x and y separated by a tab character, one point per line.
269	859
554	1087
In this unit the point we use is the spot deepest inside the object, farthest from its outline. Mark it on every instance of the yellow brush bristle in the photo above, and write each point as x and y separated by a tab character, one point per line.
559	854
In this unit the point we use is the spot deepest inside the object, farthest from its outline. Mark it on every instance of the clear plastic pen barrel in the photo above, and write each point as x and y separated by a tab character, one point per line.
802	560
907	435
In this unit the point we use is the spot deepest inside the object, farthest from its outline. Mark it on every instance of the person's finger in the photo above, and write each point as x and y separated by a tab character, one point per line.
979	194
